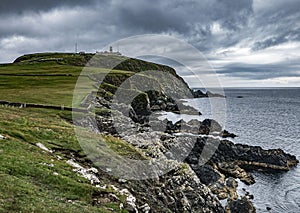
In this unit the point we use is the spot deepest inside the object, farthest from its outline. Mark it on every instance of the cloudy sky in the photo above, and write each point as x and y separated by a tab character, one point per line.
248	42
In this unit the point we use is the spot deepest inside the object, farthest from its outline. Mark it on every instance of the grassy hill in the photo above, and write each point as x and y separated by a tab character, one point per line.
50	78
35	180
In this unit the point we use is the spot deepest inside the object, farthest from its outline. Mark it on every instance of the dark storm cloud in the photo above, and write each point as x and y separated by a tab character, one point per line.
190	18
110	20
213	26
17	6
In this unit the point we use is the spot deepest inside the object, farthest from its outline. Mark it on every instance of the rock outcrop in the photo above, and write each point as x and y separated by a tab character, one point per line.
229	162
199	94
240	205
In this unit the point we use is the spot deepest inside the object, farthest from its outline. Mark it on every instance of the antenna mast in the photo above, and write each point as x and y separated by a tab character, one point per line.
76	44
76	47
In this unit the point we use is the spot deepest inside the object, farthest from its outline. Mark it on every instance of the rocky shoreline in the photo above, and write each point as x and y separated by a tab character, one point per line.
194	184
199	187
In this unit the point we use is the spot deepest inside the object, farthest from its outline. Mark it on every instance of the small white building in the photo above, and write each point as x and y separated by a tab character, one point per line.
110	52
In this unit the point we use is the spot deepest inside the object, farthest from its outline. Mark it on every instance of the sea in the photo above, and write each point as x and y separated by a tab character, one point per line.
266	117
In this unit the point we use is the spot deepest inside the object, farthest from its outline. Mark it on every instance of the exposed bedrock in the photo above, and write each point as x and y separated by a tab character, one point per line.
194	126
245	156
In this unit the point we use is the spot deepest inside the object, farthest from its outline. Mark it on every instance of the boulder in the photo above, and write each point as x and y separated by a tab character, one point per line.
141	104
226	134
199	94
206	173
208	126
239	205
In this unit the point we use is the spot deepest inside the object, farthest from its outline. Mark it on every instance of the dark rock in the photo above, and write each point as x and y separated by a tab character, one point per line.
141	104
206	173
226	134
210	95
199	94
172	107
219	189
171	128
175	191
268	208
232	159
180	124
231	182
235	171
240	205
250	197
252	157
209	125
231	185
166	137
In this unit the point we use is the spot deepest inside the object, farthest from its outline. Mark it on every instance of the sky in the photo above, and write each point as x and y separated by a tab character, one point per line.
249	43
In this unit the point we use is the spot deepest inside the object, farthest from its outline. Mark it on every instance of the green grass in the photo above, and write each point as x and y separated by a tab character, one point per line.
55	90
21	86
28	183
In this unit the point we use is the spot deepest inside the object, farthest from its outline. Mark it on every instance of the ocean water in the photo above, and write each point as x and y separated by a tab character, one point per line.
269	118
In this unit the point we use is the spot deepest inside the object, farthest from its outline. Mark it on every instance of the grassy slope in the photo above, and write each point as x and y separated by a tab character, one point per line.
27	184
38	89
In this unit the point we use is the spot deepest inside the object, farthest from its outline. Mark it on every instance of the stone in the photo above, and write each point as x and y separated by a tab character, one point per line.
89	174
199	94
236	171
145	208
231	185
43	147
206	173
239	205
208	126
226	134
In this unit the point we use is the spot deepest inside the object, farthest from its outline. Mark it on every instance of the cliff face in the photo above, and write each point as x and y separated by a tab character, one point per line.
140	94
178	190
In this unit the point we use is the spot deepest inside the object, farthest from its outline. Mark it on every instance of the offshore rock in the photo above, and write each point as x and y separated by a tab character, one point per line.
232	159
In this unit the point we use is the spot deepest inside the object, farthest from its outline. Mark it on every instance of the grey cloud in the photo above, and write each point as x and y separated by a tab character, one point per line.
234	14
190	18
293	35
260	72
275	24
